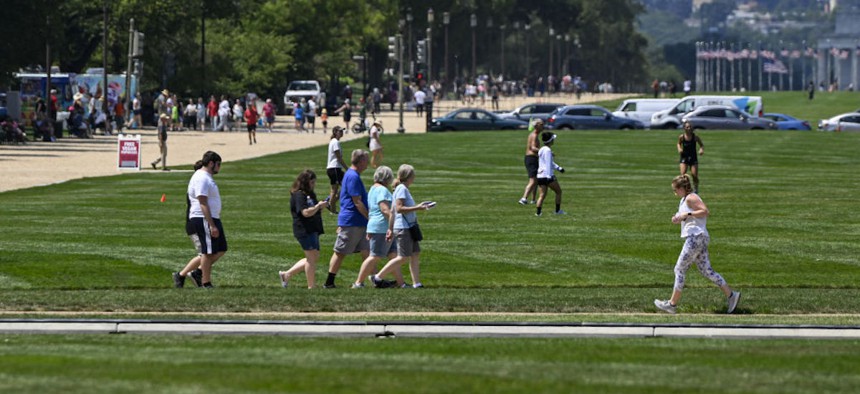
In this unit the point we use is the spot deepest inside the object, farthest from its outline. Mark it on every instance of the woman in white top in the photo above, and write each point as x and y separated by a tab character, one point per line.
238	114
375	146
693	215
545	176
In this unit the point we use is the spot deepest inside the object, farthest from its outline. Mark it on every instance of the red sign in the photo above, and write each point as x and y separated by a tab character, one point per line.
128	150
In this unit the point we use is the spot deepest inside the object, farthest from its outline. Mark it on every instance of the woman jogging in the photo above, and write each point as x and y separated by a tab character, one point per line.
375	146
545	177
687	149
307	226
693	215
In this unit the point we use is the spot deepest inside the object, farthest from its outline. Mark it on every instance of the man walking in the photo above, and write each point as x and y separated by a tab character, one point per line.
353	217
205	221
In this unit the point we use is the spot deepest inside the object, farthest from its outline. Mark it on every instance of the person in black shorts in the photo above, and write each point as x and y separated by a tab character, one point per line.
687	149
531	162
334	166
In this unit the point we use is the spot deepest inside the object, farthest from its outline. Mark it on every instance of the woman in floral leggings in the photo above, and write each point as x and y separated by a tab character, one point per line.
693	215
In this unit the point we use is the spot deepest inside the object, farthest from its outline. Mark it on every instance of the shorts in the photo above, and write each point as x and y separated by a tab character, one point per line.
531	166
207	244
335	175
252	127
689	160
311	119
310	241
379	247
346	118
545	181
136	112
270	119
419	107
351	239
405	245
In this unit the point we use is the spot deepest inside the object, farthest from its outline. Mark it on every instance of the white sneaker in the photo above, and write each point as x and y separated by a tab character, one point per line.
358	285
665	306
733	301
560	212
284	279
523	201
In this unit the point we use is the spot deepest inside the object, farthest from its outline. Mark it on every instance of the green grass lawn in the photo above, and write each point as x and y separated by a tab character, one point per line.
222	364
782	226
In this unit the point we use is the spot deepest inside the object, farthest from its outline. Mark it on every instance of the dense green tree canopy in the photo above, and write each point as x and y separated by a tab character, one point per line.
259	45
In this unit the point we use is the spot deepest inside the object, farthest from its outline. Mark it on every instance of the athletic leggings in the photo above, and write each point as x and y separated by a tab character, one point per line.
696	250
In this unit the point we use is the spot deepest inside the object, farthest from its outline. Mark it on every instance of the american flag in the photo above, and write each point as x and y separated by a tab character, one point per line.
774	66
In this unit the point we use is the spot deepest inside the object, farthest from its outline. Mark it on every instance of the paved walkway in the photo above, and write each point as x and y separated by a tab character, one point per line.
424	329
44	163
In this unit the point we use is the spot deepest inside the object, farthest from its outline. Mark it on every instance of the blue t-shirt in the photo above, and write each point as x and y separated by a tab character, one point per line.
351	186
378	223
300	113
401	192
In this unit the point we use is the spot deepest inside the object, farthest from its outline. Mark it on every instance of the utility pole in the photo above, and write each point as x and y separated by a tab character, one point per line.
104	68
128	71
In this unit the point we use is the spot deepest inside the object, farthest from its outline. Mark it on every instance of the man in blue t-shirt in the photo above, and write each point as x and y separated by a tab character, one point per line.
352	219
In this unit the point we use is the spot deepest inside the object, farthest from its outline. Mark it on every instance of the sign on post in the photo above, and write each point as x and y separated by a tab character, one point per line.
128	152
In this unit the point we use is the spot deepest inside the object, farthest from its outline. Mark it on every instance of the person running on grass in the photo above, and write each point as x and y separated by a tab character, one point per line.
531	161
687	149
693	215
545	176
307	226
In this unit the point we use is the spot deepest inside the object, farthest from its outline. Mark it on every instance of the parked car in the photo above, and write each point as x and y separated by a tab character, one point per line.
642	109
474	119
786	122
298	90
724	117
671	118
529	111
844	122
589	117
3	112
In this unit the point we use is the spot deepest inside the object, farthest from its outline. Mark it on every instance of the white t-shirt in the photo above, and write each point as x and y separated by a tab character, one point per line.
419	97
224	108
202	184
312	109
374	132
545	163
691	225
135	104
333	146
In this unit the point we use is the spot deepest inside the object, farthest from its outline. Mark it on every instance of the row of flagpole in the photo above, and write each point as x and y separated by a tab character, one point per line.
718	63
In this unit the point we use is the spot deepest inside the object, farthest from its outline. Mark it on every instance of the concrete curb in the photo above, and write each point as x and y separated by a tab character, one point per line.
423	329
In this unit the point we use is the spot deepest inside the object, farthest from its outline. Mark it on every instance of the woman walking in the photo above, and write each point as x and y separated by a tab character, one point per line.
375	146
687	149
379	215
405	230
307	226
693	215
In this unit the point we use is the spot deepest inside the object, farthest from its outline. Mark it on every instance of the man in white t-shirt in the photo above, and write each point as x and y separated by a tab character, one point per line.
419	101
688	86
204	222
335	166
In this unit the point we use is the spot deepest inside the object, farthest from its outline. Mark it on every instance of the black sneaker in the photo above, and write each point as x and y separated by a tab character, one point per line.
178	280
208	286
197	277
329	286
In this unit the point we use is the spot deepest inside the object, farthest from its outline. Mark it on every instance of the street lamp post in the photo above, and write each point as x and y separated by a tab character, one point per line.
430	45
566	68
528	53
446	19
489	40
502	41
549	72
473	21
409	40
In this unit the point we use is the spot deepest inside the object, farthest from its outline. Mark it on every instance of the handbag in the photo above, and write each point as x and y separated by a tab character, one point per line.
415	232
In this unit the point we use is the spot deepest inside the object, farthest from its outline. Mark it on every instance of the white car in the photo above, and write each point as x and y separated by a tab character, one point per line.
844	122
297	90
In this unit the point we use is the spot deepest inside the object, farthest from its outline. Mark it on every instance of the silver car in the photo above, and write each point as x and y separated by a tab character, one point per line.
844	122
723	117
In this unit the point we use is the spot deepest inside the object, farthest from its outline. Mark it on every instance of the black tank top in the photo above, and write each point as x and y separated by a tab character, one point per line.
688	147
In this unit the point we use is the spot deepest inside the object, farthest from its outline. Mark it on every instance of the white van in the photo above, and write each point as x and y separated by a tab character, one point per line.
642	109
671	118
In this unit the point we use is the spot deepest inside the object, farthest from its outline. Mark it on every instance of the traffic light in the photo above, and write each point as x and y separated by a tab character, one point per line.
421	53
392	48
137	44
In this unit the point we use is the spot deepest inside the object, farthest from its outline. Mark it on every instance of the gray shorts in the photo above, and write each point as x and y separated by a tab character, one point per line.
379	247
351	239
405	245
